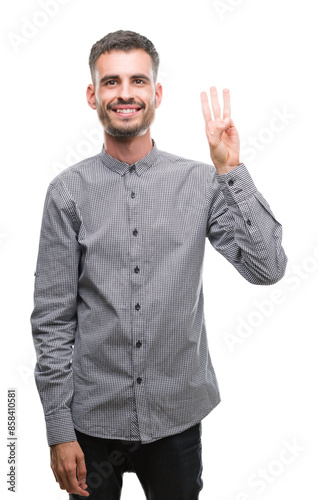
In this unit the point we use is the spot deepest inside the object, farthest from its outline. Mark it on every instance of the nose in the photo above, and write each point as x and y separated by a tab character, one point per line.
125	90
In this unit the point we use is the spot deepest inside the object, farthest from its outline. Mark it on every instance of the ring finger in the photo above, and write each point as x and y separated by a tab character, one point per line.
227	106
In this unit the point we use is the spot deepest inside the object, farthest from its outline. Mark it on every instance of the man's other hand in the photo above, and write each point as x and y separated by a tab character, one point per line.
69	469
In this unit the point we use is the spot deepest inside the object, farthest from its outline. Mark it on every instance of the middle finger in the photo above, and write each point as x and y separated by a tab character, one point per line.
215	103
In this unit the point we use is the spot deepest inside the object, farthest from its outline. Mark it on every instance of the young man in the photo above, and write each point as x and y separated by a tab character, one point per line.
123	368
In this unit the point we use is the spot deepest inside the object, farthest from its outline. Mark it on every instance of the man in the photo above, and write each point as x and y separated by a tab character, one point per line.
123	368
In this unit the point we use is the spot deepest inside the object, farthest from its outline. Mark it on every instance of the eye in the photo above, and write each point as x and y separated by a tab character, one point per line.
110	83
139	81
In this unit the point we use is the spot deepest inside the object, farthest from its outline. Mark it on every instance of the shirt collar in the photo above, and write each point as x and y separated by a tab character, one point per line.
140	166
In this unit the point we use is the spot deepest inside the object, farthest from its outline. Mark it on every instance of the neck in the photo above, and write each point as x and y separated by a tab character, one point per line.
128	150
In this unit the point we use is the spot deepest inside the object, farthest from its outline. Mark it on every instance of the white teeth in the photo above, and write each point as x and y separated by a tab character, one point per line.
126	110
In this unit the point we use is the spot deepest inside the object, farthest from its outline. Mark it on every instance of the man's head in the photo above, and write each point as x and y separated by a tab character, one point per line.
124	67
126	41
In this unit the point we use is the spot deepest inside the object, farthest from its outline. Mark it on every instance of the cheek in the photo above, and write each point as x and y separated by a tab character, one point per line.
153	100
106	96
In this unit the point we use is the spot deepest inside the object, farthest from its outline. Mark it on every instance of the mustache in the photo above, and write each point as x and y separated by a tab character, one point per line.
125	102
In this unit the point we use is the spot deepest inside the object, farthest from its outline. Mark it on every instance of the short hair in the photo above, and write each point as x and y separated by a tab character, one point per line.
126	41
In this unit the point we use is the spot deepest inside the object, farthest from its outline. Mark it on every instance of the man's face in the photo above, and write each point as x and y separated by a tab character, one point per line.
125	95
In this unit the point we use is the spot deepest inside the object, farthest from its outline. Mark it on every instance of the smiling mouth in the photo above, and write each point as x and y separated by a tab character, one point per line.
128	111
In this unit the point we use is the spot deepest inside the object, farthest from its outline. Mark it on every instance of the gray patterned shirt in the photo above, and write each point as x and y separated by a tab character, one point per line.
118	320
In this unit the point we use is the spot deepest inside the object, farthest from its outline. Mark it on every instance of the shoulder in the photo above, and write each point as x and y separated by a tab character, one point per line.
81	168
186	162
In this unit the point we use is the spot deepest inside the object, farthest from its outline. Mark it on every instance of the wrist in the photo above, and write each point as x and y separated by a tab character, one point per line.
224	169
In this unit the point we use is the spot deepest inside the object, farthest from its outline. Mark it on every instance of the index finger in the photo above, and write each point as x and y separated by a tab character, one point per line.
205	107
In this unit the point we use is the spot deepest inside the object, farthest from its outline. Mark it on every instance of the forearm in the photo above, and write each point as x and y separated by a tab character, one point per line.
253	240
53	373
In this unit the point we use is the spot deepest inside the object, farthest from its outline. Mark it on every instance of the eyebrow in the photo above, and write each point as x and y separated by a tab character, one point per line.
141	76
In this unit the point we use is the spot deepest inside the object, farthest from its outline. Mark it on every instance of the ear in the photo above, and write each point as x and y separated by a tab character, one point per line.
90	96
158	94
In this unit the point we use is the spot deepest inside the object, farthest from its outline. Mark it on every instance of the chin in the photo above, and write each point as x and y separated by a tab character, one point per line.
133	131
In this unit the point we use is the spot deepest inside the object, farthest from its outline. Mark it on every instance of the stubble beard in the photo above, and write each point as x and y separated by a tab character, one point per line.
126	130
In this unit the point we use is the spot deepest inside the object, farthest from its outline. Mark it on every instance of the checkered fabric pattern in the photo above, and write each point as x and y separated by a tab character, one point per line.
118	320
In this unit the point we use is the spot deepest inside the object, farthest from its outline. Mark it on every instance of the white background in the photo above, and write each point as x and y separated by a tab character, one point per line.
262	339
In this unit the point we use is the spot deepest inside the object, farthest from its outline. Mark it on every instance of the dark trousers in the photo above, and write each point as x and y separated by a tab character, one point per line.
168	469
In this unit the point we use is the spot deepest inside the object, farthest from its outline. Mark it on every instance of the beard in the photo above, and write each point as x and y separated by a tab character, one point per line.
125	129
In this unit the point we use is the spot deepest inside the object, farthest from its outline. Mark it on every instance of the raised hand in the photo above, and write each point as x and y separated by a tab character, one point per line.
221	133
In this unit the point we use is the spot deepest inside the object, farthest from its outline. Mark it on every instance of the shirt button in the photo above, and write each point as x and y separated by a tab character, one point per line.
132	168
132	194
248	222
135	232
139	380
137	269
138	344
231	182
137	307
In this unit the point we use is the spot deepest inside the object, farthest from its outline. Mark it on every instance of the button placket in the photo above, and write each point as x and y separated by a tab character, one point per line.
136	280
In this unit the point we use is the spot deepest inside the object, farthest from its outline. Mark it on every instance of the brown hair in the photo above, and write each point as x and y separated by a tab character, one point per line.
123	40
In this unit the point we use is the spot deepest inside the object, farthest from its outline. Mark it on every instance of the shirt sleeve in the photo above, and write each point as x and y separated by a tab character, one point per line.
54	317
242	227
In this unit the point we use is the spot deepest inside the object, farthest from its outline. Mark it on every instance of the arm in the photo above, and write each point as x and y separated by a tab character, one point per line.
53	321
241	225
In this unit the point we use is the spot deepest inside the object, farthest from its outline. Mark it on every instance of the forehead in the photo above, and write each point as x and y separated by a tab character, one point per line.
119	62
